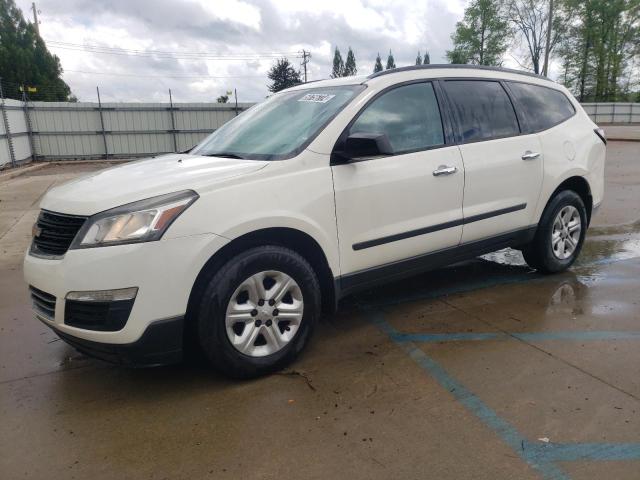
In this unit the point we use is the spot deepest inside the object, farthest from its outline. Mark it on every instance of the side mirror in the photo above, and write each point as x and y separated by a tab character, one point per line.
359	145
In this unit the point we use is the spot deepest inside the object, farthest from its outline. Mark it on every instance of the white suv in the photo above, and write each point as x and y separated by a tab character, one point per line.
326	188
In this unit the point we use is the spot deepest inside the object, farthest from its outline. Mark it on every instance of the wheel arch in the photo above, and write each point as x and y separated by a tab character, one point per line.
581	186
296	240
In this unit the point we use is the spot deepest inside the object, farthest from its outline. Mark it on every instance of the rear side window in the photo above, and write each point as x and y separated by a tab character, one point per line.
542	107
483	109
408	115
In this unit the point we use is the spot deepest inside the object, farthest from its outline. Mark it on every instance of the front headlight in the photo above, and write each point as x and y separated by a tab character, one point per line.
142	221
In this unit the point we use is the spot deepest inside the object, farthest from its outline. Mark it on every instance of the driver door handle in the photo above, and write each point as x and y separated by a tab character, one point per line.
444	170
529	155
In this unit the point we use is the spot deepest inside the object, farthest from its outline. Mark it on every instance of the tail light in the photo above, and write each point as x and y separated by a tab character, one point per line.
601	134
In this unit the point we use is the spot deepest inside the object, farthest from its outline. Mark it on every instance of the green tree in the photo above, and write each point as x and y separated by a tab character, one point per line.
338	65
283	75
378	66
457	56
25	60
222	99
391	63
600	49
419	59
481	38
350	65
426	60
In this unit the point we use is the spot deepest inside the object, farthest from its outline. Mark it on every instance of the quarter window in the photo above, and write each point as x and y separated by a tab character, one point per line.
542	107
483	109
408	115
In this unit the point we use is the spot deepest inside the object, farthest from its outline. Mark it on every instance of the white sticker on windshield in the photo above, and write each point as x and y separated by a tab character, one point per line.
316	98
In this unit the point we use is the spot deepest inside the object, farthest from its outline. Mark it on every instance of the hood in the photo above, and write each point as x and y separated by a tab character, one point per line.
142	179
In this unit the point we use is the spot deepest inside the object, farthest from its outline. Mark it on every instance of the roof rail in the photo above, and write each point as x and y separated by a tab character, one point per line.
454	66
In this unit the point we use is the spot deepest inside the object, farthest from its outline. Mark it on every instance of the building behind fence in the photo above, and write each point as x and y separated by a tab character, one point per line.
64	130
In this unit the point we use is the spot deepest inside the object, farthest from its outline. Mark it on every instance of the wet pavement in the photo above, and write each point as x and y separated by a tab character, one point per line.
483	370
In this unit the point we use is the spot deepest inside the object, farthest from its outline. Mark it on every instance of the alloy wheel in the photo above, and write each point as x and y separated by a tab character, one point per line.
566	231
264	313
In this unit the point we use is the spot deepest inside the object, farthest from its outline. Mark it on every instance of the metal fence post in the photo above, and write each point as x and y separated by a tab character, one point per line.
173	123
32	145
613	113
7	128
104	134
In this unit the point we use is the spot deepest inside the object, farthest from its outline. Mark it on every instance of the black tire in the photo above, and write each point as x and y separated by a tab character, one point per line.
539	253
213	301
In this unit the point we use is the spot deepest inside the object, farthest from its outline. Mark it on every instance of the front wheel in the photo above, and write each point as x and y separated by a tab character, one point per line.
560	234
258	311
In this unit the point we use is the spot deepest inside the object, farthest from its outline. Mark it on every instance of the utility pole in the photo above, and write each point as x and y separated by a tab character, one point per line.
545	68
305	59
235	94
35	17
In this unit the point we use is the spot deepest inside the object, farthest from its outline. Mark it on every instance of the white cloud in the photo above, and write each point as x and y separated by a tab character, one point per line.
231	27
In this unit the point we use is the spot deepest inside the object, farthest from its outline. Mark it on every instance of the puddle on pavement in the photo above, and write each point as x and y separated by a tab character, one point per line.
603	245
615	243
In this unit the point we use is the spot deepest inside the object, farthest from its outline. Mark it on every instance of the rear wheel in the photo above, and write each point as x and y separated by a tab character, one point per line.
258	311
560	234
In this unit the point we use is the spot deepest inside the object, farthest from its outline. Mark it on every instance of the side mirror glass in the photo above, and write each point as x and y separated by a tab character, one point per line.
362	145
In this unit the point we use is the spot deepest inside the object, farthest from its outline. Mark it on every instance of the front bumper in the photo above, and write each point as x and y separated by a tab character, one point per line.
164	273
160	344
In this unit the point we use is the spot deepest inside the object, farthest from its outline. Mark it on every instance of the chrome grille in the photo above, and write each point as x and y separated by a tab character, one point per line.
54	233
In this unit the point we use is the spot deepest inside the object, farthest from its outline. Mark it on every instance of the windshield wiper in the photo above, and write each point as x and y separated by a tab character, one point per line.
224	155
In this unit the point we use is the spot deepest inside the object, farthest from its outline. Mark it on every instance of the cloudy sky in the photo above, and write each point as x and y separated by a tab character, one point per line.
211	46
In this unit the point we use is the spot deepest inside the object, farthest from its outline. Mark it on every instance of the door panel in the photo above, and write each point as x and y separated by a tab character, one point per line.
503	169
389	202
500	183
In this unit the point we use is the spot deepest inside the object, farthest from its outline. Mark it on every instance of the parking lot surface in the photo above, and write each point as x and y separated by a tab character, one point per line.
483	370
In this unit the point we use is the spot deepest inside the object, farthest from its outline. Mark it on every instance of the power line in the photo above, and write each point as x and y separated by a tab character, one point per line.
85	45
166	54
161	76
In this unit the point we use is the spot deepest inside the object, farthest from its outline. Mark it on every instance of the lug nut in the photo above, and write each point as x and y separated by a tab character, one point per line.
268	323
254	313
272	302
258	323
261	302
276	312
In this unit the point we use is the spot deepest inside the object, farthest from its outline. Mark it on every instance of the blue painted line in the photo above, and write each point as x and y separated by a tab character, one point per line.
443	337
573	452
488	416
540	456
527	336
579	336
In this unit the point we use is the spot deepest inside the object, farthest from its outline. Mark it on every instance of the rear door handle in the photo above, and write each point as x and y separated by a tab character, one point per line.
529	155
444	170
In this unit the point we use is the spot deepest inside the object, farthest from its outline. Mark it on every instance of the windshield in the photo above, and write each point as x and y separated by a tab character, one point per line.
280	127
